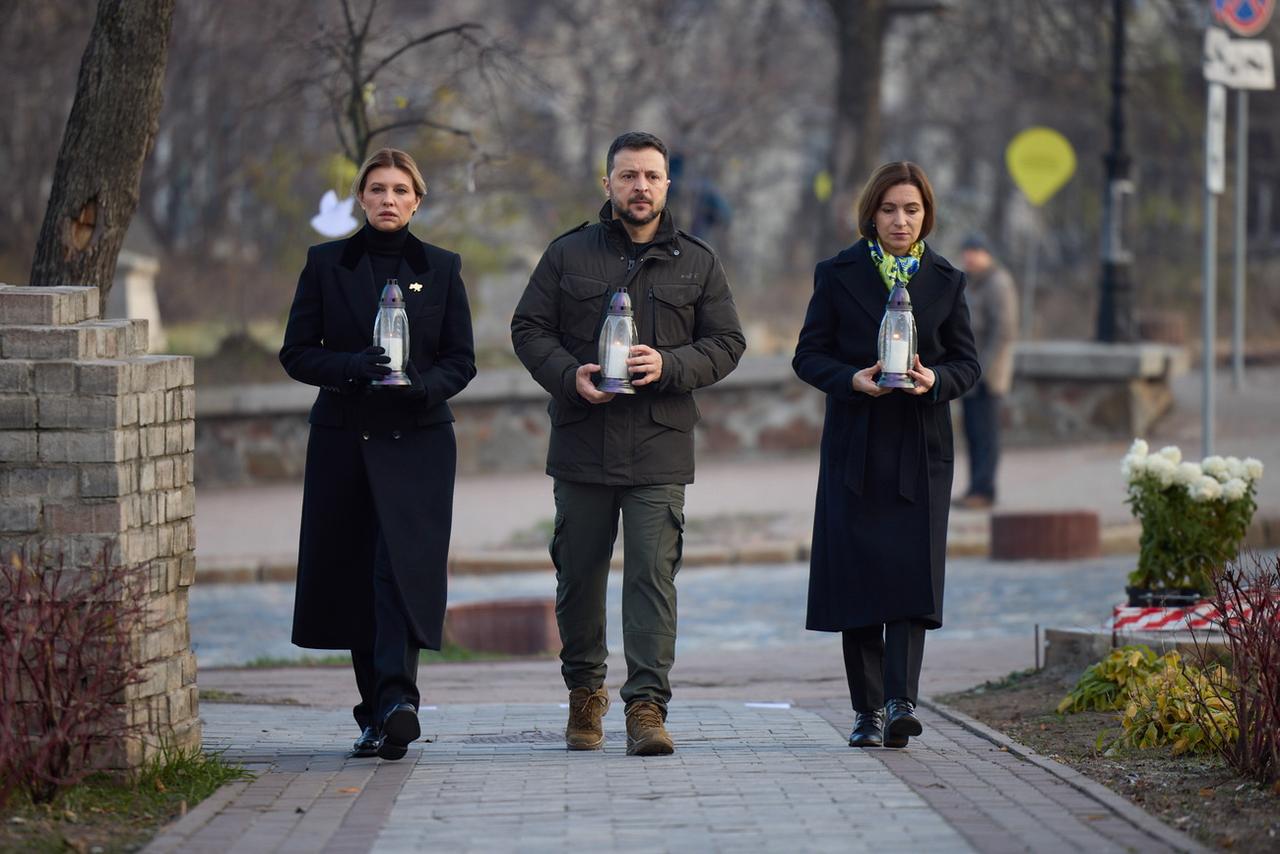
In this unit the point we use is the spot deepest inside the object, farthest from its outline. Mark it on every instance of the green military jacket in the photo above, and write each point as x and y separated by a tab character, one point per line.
683	309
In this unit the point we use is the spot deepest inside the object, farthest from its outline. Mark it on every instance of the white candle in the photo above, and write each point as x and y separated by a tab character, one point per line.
395	349
895	357
615	365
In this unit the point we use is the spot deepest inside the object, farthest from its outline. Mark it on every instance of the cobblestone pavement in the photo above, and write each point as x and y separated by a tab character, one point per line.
745	777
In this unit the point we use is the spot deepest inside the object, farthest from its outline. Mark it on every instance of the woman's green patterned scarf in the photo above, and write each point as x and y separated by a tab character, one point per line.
894	269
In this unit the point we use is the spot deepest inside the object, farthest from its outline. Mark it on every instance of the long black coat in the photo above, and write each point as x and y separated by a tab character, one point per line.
884	486
375	460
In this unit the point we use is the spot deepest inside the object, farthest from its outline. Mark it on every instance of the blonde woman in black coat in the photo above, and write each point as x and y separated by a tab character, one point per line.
884	486
377	503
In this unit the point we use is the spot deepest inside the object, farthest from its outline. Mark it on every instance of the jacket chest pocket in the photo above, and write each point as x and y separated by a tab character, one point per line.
673	313
580	305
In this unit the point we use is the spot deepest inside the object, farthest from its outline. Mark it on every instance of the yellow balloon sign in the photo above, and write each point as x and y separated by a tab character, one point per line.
1040	160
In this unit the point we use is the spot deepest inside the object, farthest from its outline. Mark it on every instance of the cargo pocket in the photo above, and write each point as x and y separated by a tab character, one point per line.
580	309
677	518
678	412
673	313
553	547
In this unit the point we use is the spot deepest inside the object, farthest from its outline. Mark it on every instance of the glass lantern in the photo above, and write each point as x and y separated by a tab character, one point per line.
897	341
391	333
617	337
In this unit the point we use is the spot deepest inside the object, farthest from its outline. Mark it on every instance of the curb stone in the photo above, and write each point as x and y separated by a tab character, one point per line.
1123	807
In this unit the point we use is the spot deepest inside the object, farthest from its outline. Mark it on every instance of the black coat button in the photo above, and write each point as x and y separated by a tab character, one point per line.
365	435
395	434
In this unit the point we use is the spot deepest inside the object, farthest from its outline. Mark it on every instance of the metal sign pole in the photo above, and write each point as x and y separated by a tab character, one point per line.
1214	158
1242	237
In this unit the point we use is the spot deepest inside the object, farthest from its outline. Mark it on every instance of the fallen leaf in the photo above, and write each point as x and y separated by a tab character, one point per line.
349	790
1206	793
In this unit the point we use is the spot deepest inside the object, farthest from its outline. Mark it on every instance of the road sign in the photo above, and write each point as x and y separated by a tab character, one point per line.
1238	63
1243	17
1215	150
1040	160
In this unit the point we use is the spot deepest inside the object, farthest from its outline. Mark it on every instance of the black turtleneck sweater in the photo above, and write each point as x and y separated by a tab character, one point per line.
385	249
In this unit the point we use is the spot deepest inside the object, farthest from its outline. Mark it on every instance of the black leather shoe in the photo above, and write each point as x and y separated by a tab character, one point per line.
399	727
902	722
867	730
368	743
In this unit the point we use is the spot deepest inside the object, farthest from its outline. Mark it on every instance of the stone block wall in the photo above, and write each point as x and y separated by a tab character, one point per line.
97	443
1063	391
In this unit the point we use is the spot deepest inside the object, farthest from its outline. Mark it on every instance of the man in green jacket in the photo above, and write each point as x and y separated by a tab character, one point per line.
624	453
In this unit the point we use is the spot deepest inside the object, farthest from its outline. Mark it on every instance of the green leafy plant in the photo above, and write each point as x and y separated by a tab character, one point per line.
1191	710
1194	516
1106	685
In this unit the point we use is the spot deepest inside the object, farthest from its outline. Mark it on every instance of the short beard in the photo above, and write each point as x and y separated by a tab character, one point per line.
625	215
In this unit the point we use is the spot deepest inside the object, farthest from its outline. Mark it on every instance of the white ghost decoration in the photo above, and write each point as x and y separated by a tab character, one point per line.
334	219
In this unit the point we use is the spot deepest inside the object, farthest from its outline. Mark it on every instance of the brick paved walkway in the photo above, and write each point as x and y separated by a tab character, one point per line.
744	778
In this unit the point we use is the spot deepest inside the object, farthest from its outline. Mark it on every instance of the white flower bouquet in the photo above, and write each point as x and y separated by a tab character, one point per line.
1194	516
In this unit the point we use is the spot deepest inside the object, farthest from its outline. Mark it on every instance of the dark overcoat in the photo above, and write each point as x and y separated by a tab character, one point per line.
376	460
884	485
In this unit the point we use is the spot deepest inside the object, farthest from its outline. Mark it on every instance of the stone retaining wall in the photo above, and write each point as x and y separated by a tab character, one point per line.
97	447
1063	391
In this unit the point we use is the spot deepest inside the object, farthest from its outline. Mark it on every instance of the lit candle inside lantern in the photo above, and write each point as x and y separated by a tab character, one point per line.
896	356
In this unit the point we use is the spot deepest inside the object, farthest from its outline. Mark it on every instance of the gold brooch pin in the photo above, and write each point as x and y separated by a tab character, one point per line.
415	287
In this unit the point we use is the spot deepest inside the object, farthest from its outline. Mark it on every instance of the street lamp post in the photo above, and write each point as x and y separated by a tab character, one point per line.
1115	307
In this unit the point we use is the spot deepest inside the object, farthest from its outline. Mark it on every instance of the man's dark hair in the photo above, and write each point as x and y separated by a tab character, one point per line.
636	140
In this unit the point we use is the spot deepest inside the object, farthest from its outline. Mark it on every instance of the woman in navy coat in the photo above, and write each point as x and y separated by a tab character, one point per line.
884	486
377	503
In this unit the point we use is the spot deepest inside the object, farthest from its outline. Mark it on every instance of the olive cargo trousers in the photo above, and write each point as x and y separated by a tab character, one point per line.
586	526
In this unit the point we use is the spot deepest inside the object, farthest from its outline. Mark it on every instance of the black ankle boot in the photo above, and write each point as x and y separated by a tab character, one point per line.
902	722
867	730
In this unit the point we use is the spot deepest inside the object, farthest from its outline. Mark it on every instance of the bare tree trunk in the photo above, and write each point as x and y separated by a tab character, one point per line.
109	133
860	27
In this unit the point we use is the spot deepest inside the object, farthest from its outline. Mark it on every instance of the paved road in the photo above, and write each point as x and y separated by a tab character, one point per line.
735	608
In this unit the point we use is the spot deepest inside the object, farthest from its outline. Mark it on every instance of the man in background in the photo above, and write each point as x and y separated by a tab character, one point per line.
993	310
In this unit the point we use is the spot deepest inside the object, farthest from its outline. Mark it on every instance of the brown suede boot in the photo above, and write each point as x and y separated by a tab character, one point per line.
586	711
646	736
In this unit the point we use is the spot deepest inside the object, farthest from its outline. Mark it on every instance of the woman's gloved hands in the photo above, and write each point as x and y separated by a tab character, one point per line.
369	364
418	390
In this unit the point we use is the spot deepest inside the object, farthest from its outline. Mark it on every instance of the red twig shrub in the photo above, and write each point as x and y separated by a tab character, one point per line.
66	637
1246	595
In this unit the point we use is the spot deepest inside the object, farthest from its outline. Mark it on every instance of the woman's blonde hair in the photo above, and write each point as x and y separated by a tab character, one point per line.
887	176
390	158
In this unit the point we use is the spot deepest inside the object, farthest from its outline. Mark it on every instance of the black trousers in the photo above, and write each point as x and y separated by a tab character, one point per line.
982	436
883	662
387	675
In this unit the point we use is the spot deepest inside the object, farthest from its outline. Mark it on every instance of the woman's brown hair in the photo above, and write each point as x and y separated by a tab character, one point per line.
390	158
887	176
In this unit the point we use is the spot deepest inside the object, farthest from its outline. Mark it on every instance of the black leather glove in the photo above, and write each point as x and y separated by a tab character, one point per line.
418	390
368	365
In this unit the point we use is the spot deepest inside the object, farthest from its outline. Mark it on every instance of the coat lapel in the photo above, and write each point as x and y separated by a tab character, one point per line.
356	284
355	279
414	270
930	281
862	280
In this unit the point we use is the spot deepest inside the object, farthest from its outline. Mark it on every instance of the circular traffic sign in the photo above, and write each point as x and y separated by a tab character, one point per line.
1244	17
